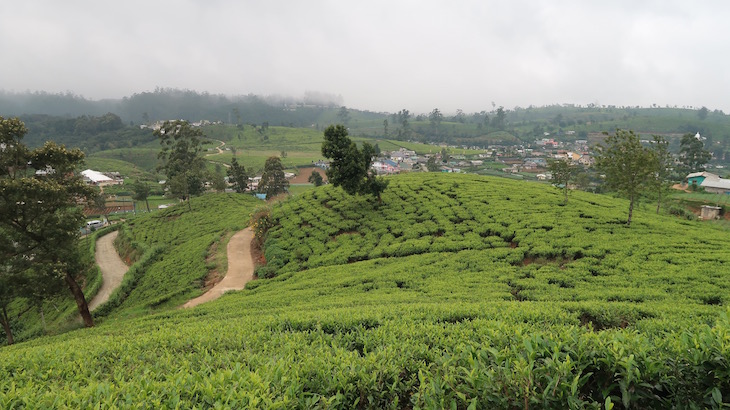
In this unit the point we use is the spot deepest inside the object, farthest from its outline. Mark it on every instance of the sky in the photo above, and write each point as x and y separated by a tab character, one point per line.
377	55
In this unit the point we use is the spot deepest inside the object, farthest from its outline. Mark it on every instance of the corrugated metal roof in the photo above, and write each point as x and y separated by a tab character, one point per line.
716	183
95	176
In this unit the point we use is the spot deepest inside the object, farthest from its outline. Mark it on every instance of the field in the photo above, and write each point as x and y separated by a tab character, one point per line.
456	292
174	244
708	198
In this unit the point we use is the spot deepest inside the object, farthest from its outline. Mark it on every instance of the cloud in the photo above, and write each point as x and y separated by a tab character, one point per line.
379	55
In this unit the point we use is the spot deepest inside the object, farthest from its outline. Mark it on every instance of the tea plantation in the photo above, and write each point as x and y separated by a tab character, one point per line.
456	292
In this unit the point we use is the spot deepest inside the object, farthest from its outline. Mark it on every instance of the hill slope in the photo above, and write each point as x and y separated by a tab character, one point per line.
457	291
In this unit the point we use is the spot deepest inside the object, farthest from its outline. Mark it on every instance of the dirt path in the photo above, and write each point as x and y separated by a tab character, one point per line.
112	268
219	148
240	268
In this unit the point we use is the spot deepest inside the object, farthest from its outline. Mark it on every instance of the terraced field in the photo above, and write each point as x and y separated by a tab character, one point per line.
456	292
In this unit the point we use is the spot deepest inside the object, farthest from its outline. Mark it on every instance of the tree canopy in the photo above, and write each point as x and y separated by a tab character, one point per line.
629	167
237	176
562	173
692	153
39	218
273	181
350	165
181	158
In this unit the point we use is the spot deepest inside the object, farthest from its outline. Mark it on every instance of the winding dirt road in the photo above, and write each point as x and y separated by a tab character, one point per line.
112	269
240	268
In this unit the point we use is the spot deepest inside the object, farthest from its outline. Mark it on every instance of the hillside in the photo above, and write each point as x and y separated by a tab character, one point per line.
457	291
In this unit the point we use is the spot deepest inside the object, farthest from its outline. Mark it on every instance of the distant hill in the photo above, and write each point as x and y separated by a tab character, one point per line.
505	126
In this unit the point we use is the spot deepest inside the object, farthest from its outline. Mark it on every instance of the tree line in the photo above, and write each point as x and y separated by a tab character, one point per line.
633	169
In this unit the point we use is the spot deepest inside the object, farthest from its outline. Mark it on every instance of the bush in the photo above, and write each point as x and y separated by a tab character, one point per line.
261	222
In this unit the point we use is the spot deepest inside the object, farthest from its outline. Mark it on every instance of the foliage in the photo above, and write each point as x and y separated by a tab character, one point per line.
562	175
177	269
458	291
260	221
39	218
350	166
628	166
181	158
273	182
692	154
217	181
315	178
141	192
237	176
431	164
664	163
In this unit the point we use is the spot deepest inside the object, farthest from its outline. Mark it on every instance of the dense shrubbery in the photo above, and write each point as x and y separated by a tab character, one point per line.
501	299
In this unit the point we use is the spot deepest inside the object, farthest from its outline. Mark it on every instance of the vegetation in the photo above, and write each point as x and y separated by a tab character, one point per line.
179	238
39	221
181	158
692	154
350	165
237	176
273	181
315	178
562	174
458	291
141	193
629	167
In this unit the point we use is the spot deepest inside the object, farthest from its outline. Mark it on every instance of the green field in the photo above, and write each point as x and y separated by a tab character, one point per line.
144	159
457	291
717	199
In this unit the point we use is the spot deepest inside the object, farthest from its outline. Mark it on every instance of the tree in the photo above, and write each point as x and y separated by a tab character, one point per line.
237	176
563	173
405	127
499	120
40	218
315	178
702	113
181	158
628	166
343	115
692	154
141	192
662	168
431	164
218	181
273	182
435	117
350	166
385	128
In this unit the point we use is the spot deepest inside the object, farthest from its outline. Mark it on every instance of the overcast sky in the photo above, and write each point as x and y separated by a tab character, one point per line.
378	55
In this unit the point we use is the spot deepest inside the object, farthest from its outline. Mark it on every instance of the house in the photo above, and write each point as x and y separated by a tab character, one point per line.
716	185
92	177
385	167
402	154
696	178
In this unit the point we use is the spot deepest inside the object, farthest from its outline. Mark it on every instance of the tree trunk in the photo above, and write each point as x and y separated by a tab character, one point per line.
148	205
80	300
6	326
43	318
631	210
659	201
